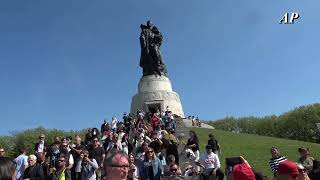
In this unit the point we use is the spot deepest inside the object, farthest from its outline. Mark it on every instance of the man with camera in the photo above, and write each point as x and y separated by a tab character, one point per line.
210	163
86	166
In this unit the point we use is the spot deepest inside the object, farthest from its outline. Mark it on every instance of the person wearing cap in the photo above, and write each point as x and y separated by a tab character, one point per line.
305	159
210	163
287	170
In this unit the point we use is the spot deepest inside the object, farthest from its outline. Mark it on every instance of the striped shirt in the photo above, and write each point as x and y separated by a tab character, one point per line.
274	162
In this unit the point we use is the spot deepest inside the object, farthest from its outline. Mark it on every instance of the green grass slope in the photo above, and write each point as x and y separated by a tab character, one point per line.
255	149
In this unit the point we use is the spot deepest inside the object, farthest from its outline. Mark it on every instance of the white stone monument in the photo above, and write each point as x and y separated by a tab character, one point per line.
155	92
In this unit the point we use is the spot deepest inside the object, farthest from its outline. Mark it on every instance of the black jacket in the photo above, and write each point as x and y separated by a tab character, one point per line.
34	172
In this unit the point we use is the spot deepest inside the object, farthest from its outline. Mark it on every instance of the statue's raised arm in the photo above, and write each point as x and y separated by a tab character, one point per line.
150	42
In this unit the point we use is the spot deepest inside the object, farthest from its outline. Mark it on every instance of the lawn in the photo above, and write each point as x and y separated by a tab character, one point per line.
255	149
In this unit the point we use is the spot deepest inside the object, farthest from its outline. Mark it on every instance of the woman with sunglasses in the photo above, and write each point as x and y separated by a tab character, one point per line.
150	168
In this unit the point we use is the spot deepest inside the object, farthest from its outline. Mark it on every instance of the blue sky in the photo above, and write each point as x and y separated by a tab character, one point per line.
70	64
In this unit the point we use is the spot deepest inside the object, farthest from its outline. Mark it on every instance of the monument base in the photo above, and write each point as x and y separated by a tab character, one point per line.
155	92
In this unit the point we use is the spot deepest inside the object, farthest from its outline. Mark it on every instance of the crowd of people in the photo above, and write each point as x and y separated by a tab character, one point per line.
144	146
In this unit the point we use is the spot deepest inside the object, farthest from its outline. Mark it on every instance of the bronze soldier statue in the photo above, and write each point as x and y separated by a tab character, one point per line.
151	60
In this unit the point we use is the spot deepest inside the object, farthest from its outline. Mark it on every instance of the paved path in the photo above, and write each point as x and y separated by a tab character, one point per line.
188	123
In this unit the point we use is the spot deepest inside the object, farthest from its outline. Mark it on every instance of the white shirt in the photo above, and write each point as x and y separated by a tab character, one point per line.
40	147
209	160
71	160
114	123
22	163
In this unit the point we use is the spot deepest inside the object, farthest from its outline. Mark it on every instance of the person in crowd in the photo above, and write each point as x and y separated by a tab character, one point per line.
133	170
198	122
241	171
103	126
34	171
76	151
193	121
213	142
155	121
166	168
126	144
54	151
2	152
175	170
150	167
305	158
21	163
210	162
193	145
41	160
287	170
140	152
97	152
114	123
116	165
127	122
315	173
88	138
60	171
86	166
40	146
302	173
156	143
65	152
190	171
115	143
7	169
171	144
276	158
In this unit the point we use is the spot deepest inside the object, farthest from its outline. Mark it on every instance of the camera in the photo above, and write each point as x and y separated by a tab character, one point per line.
230	162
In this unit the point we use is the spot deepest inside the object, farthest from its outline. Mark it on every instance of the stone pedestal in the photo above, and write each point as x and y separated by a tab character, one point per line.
155	92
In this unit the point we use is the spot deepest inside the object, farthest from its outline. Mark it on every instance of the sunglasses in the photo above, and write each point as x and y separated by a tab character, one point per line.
173	170
120	166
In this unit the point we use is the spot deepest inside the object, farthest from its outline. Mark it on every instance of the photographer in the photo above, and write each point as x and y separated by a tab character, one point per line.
86	166
238	169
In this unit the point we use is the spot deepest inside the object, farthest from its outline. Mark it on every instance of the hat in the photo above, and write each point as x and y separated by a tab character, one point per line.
303	149
243	172
288	167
